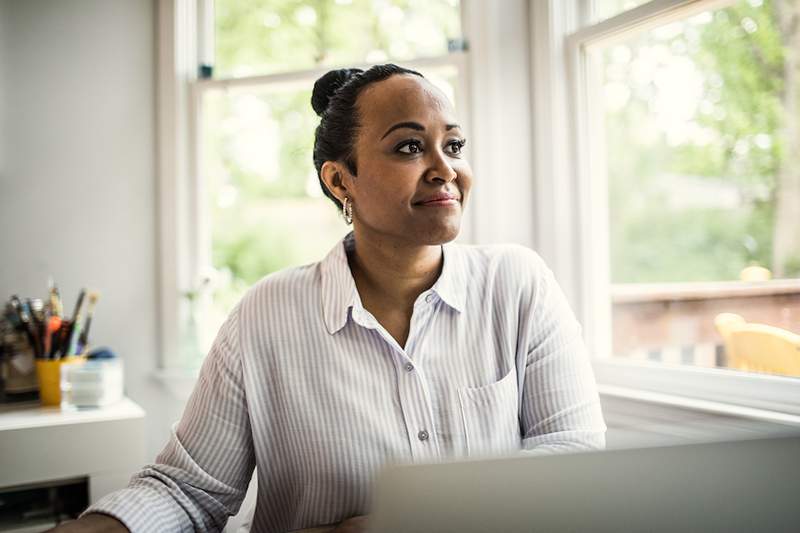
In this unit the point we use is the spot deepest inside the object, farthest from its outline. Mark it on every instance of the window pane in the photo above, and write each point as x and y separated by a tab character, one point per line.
265	208
701	137
266	36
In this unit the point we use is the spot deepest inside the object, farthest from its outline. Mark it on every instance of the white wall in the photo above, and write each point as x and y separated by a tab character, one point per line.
77	190
2	100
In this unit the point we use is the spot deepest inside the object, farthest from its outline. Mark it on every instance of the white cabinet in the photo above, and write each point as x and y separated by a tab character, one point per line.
43	445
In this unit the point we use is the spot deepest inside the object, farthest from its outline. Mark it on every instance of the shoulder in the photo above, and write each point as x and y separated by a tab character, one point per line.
506	261
505	272
282	289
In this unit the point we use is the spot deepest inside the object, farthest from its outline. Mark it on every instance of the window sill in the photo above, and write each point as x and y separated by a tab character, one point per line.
766	397
698	405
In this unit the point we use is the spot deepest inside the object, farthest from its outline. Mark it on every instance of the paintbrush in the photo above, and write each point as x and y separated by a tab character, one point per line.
75	326
83	341
56	309
53	324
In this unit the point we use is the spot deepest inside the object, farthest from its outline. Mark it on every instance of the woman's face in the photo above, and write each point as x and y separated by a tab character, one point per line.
413	181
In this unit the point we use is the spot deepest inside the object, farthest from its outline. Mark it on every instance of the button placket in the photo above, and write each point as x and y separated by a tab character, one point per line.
416	405
412	384
420	322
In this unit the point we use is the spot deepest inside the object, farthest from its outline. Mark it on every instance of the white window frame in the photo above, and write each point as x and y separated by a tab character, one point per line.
565	145
495	88
176	69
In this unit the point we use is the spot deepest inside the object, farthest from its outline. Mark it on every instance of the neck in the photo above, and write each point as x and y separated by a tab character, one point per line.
394	272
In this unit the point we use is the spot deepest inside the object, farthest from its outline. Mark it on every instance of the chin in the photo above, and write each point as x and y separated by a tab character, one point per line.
441	234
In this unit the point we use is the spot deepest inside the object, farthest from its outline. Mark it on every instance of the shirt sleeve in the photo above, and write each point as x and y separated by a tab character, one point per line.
200	478
560	407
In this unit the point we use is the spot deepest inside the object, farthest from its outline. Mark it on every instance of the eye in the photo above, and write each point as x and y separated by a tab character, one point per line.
456	146
410	147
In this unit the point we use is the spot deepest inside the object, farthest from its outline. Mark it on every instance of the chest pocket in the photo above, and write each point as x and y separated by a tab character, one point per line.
491	417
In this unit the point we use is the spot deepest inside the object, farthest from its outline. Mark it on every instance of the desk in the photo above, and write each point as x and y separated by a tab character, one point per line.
45	444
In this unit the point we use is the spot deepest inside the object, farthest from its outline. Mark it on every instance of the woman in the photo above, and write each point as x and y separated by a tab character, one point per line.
395	348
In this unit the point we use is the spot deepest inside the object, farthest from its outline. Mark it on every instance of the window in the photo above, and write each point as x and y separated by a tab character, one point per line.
695	121
259	204
605	9
687	138
637	155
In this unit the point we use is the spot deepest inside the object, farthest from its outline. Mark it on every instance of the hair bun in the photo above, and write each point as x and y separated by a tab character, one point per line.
327	85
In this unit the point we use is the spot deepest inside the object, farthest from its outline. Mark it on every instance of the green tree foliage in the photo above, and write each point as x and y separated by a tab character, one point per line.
742	56
265	36
740	115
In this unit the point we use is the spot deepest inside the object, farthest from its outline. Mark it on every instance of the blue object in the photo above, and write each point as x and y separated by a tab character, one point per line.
101	353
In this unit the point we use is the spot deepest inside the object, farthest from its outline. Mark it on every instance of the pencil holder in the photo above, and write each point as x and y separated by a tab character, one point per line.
48	373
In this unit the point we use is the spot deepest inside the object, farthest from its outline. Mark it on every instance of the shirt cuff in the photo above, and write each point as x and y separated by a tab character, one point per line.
142	510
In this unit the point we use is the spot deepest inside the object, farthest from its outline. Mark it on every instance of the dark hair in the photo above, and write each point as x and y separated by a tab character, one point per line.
334	100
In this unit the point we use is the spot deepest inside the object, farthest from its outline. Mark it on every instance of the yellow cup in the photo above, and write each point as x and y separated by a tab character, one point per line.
49	374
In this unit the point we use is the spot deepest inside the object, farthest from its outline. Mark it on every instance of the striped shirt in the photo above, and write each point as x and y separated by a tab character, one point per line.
304	383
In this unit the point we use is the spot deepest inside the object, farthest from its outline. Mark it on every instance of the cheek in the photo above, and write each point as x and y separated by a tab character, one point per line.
388	184
464	175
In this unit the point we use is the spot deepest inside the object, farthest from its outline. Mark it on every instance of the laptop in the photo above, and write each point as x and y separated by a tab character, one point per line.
742	486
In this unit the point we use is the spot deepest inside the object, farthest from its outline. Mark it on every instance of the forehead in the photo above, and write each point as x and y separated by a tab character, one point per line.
402	98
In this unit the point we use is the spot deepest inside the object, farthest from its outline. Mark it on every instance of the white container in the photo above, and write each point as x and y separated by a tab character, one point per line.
93	383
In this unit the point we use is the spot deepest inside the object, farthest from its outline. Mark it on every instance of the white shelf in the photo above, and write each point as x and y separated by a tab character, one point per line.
45	444
33	415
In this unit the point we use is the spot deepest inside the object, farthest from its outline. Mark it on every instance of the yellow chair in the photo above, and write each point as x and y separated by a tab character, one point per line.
758	347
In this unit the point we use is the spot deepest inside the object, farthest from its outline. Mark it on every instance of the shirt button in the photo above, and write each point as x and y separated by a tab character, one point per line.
423	435
429	298
409	367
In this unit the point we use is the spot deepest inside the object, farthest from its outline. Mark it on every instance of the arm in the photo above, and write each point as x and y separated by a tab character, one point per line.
560	406
91	523
201	476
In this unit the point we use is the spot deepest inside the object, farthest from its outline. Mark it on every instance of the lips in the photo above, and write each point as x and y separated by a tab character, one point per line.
438	199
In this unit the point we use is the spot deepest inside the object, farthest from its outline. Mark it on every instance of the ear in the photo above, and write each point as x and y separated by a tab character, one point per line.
336	178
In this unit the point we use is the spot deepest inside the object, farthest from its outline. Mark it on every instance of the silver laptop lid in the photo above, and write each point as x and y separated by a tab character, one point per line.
743	486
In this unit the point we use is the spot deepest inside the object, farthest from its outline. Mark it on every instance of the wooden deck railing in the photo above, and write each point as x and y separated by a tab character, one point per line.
671	321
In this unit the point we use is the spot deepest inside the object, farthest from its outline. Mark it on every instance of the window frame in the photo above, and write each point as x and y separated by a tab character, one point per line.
733	392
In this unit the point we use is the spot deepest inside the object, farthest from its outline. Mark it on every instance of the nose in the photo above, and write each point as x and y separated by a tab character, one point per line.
440	168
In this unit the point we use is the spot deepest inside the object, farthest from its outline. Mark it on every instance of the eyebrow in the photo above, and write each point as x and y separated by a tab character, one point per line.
415	126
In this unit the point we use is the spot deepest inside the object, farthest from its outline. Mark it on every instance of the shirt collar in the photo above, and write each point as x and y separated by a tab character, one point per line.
451	286
339	293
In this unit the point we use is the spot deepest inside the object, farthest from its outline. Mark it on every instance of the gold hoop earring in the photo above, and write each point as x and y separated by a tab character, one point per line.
347	210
